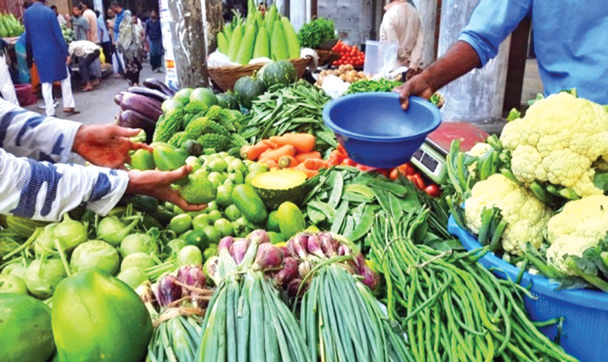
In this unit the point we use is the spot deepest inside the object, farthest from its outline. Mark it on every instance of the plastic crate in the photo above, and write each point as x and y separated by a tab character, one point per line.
585	329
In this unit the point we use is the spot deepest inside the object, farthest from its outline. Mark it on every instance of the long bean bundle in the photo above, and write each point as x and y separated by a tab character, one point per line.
451	307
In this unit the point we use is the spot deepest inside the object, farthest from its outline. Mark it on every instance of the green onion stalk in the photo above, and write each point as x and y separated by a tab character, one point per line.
450	306
246	319
339	315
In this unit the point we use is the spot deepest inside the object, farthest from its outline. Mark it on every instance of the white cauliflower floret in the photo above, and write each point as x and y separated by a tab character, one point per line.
580	225
526	216
557	142
479	149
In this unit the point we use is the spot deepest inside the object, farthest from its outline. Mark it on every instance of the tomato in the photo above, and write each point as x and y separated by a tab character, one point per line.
418	181
433	190
394	174
348	162
365	168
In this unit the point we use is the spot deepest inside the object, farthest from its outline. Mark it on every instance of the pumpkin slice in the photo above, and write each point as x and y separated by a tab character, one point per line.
277	187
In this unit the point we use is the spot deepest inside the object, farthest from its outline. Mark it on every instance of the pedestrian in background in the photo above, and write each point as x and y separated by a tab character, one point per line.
60	18
119	14
104	38
50	52
91	18
129	44
154	36
6	82
86	52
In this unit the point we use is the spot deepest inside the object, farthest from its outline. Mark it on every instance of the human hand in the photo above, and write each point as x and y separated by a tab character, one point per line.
157	184
68	60
418	85
106	145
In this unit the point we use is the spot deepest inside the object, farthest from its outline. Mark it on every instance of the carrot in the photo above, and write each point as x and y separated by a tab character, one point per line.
315	164
270	144
288	162
309	173
252	152
272	165
303	142
304	156
275	155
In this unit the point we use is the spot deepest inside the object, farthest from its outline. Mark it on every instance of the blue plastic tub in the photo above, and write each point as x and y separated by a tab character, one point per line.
585	330
376	132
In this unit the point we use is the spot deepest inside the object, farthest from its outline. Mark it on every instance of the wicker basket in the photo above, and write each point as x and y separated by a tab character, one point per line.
225	76
326	56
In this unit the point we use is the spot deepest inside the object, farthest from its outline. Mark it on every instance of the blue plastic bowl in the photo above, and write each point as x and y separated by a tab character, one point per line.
375	131
585	329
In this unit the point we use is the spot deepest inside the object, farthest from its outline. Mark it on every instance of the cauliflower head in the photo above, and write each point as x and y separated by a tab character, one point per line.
580	225
557	142
525	215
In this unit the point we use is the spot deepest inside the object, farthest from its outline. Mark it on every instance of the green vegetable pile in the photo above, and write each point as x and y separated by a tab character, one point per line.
315	33
68	34
368	85
296	108
10	26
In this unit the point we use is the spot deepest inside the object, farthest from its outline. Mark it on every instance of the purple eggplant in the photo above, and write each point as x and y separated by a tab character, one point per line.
118	98
159	86
150	93
133	119
141	104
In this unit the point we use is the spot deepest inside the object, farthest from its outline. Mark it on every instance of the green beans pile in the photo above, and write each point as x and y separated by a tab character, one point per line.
247	321
451	307
342	321
368	85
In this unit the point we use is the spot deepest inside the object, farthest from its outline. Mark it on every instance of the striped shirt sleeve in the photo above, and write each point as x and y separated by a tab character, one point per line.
34	186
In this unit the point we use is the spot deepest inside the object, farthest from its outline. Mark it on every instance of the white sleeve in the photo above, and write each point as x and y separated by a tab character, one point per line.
45	191
29	134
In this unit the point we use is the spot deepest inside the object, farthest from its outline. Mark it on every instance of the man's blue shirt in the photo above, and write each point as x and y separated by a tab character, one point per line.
570	40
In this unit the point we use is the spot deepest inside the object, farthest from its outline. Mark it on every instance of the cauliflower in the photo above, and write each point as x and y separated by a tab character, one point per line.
557	141
480	149
526	216
580	225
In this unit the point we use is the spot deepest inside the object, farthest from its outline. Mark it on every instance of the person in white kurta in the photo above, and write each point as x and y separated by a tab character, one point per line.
401	23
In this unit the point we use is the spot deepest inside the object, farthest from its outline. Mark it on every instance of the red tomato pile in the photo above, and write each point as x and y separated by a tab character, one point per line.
348	54
340	157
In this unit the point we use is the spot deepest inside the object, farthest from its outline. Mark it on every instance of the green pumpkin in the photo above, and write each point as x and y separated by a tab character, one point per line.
247	89
282	72
97	317
227	100
25	329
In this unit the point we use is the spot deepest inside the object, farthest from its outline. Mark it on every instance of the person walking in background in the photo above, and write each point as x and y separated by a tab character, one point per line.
401	23
91	18
60	18
154	36
119	14
79	24
129	44
6	82
104	38
86	52
50	52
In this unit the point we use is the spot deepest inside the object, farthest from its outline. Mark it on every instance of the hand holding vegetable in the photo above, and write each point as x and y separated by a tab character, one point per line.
158	185
106	145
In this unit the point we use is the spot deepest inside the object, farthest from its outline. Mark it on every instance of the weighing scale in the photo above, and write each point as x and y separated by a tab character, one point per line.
430	157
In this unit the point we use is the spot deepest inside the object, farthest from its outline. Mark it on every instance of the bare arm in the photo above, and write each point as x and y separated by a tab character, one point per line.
417	50
459	60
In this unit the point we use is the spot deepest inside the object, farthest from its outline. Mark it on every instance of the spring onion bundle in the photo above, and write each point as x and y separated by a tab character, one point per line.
246	319
339	315
181	300
450	305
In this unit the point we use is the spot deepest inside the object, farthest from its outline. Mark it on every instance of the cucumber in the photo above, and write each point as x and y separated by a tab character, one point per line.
277	187
291	220
249	203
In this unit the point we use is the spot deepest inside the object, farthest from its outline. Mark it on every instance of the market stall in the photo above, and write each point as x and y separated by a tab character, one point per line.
338	228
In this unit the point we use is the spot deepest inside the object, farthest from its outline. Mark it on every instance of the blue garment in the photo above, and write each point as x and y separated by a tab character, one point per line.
21	53
102	30
570	40
46	40
117	20
153	30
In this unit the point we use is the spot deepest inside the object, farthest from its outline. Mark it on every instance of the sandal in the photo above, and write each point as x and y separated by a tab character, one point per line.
70	111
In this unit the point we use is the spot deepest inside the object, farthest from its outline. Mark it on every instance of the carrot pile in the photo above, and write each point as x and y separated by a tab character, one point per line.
292	150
